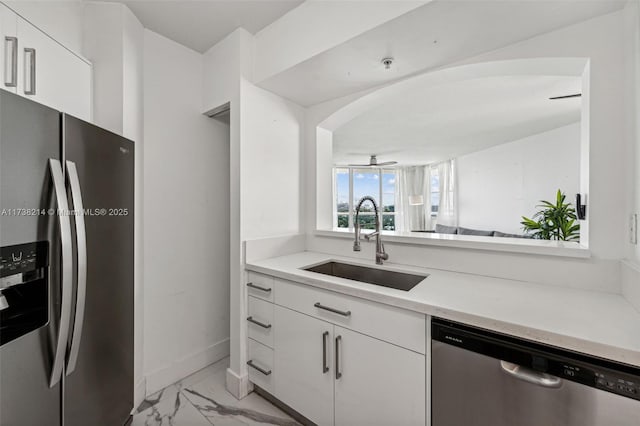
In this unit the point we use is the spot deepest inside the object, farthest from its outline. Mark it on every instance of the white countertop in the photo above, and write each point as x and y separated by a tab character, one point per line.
600	324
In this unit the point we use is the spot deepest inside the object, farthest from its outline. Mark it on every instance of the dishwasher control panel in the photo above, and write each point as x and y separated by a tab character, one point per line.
616	384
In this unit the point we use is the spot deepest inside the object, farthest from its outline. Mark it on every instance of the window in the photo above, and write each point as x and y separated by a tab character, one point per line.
342	185
435	191
351	184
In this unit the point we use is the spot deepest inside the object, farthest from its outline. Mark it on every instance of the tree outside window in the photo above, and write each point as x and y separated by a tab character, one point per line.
351	184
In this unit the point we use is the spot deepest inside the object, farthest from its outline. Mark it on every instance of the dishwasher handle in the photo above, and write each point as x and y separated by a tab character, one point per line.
530	376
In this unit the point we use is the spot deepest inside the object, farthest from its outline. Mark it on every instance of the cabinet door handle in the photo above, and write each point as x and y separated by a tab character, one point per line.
325	367
11	58
335	311
338	372
256	322
262	370
257	287
31	53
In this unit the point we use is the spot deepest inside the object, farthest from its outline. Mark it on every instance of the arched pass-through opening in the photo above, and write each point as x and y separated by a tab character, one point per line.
577	68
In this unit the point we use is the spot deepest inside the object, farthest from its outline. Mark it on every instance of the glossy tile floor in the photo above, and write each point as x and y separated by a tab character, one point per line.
202	400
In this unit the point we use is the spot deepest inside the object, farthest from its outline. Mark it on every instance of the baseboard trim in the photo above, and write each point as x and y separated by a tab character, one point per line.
284	407
183	367
139	392
238	386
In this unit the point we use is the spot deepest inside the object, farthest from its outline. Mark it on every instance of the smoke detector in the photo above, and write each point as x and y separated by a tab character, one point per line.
387	62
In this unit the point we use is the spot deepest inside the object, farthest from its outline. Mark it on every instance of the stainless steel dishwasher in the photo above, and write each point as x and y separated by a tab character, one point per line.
480	378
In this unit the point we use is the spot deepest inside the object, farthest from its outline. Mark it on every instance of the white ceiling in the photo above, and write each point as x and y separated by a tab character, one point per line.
433	35
435	123
201	24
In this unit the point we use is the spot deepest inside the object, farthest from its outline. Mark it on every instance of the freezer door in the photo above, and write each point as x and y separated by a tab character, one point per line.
99	384
29	137
473	390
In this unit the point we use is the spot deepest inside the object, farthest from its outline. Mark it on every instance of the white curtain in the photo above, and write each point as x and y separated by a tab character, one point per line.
414	199
448	209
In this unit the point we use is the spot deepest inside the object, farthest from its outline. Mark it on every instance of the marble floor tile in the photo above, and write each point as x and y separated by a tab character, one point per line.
202	400
211	398
168	407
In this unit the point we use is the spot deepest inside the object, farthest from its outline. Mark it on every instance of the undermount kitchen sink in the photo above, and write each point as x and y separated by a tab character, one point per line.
381	277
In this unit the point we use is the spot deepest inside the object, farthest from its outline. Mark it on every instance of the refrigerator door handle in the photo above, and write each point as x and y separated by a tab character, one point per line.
81	249
66	270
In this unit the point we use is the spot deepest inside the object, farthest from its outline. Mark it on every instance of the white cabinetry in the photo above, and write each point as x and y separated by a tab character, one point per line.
37	67
8	49
303	361
260	325
379	384
340	360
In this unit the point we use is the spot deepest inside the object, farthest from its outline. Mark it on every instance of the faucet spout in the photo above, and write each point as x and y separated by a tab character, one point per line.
370	235
380	253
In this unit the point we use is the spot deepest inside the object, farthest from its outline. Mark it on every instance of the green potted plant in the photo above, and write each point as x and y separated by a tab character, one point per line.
555	221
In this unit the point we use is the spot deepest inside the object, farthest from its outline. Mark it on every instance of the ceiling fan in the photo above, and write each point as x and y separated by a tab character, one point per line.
373	162
577	95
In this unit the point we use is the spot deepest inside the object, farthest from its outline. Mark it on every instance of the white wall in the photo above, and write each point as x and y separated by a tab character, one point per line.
225	65
631	266
600	40
62	20
266	178
186	199
271	131
499	185
103	46
632	122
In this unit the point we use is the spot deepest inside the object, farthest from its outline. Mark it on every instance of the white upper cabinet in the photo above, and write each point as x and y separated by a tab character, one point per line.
51	74
8	49
36	66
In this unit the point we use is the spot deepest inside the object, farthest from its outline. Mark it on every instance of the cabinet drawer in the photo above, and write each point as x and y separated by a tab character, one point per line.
260	286
260	365
394	325
260	321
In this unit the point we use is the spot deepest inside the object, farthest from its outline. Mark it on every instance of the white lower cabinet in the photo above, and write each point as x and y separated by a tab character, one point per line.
261	365
379	384
303	369
336	376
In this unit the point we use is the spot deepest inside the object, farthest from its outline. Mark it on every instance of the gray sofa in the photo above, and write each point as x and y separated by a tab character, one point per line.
459	230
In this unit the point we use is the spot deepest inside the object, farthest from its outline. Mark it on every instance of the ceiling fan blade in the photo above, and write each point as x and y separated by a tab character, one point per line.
577	95
373	162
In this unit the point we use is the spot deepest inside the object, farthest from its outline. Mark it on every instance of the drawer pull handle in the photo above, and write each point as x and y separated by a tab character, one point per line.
257	287
262	370
335	311
338	372
325	367
261	324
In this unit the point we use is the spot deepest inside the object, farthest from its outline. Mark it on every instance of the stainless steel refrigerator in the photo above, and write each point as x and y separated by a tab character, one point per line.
66	269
